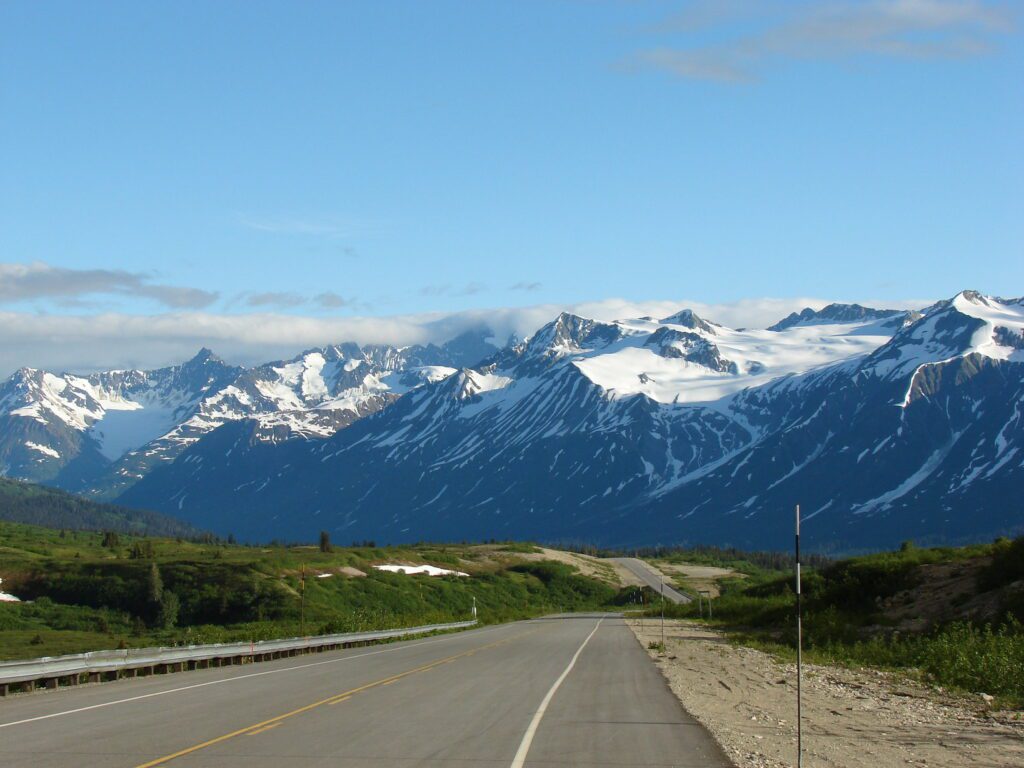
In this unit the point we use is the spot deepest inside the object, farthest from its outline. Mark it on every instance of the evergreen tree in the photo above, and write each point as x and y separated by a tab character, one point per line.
167	617
155	586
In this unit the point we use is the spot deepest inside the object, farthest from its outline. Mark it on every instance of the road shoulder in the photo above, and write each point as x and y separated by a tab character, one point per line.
852	718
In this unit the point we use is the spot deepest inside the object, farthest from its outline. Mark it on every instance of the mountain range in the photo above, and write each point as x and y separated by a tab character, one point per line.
884	425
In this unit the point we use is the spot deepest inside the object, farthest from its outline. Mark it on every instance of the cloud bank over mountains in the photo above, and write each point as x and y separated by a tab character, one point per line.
101	341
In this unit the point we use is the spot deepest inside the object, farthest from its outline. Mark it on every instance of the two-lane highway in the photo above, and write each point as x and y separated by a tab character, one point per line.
652	578
566	691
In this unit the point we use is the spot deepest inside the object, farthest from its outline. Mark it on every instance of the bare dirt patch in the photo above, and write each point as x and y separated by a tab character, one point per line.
852	718
595	567
702	578
946	592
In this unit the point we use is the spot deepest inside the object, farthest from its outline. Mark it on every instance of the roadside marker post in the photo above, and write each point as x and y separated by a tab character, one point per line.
302	602
706	595
799	651
663	613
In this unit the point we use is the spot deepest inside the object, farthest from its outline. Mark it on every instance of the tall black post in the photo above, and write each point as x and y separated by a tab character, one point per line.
799	651
302	602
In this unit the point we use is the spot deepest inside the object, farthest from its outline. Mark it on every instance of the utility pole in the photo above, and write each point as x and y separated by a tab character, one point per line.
799	651
302	602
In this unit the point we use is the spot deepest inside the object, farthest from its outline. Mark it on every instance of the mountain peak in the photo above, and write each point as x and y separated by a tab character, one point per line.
569	333
688	319
970	298
205	355
971	302
834	313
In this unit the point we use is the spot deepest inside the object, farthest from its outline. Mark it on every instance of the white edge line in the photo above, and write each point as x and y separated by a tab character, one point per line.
524	745
227	680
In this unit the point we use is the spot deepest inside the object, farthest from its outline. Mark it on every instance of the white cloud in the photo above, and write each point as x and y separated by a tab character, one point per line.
732	41
87	343
332	300
447	289
280	299
28	282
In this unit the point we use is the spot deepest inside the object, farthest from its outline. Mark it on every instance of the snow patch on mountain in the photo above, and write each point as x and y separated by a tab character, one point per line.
42	449
124	429
734	360
1002	335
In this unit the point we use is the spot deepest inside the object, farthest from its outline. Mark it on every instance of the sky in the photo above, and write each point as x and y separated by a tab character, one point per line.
261	177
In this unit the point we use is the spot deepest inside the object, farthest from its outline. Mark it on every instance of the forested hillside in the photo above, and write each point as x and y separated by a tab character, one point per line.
38	505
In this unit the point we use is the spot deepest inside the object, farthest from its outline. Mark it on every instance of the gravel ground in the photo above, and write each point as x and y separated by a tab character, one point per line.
852	718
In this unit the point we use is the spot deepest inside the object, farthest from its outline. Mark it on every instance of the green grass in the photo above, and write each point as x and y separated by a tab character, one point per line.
844	621
88	596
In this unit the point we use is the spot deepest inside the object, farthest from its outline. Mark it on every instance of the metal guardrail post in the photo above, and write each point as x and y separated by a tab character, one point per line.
51	669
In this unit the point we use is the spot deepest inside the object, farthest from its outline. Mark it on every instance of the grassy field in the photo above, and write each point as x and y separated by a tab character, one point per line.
91	590
951	615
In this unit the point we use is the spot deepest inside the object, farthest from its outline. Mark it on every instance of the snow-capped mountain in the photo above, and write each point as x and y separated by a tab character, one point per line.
923	438
101	433
839	313
882	424
64	429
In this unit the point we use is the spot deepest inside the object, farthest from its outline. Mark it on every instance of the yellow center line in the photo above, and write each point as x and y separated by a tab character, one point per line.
261	730
335	699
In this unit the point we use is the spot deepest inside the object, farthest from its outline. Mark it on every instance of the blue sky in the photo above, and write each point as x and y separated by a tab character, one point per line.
317	161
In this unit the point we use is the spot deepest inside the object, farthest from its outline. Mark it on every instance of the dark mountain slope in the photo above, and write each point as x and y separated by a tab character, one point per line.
37	505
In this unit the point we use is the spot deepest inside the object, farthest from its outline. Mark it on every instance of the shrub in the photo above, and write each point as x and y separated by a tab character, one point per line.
1007	564
983	660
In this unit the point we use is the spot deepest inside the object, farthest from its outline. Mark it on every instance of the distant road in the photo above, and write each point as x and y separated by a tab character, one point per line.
576	690
651	577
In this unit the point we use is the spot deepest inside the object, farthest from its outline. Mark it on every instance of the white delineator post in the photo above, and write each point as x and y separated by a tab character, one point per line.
474	606
799	651
663	613
302	602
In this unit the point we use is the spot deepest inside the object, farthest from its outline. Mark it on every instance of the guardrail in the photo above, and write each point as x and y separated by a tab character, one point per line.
99	665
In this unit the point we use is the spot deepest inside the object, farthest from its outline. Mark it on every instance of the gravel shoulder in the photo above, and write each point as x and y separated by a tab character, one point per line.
852	718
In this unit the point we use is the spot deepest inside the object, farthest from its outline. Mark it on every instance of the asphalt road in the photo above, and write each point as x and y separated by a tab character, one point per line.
563	691
651	577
